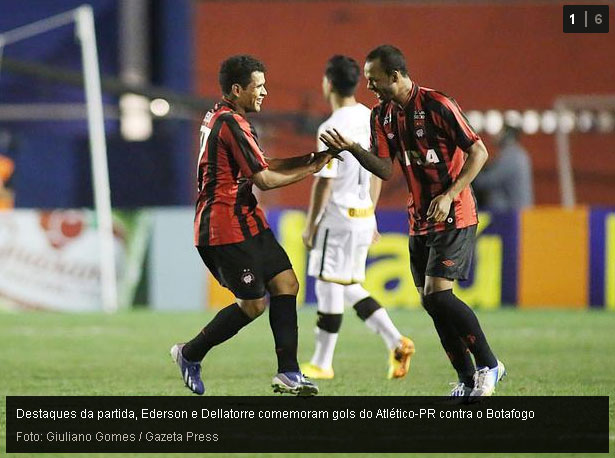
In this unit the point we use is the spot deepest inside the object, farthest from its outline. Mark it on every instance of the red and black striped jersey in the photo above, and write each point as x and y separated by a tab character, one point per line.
427	136
226	209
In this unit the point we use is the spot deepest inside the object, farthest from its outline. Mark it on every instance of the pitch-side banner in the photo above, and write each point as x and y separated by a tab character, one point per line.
50	260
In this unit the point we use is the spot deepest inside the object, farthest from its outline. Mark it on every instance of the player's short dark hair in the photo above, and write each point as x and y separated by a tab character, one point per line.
390	57
343	72
238	70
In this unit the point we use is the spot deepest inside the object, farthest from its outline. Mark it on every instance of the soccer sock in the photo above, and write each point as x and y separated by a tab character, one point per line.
455	348
283	322
224	325
468	328
377	319
327	328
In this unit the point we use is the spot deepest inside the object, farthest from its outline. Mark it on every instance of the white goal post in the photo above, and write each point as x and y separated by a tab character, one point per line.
571	103
83	17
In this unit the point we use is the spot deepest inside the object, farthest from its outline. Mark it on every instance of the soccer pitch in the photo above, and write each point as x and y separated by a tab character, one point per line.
545	352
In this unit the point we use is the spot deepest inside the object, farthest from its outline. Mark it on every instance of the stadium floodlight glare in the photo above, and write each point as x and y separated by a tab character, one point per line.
493	122
513	118
159	107
548	121
83	17
476	120
585	121
605	121
531	122
135	120
566	121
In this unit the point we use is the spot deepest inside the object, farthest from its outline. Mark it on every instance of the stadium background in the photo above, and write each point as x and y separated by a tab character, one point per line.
492	56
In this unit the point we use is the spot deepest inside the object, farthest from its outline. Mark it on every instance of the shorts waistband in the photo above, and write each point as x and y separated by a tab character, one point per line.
360	212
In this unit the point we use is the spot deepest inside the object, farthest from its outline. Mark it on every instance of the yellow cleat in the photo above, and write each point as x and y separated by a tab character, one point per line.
312	371
399	359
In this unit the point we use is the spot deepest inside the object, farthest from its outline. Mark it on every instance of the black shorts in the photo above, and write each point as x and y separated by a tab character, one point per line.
446	254
246	267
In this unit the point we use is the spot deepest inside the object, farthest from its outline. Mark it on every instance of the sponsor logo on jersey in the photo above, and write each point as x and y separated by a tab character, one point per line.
387	119
448	263
419	114
390	135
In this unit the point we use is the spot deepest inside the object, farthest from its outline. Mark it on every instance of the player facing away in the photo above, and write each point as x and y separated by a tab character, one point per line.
340	228
231	232
426	132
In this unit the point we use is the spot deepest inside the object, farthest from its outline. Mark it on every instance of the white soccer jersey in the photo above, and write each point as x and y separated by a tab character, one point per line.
350	202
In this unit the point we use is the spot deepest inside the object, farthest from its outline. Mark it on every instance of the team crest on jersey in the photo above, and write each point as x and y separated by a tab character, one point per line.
390	135
420	133
247	277
419	114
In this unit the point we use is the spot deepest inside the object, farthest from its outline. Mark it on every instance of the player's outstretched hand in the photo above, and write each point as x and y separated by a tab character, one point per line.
321	158
336	141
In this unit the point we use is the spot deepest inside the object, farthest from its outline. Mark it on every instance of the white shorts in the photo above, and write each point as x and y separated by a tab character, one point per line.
339	254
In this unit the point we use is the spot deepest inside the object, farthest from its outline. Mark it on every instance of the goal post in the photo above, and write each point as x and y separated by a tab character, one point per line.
83	17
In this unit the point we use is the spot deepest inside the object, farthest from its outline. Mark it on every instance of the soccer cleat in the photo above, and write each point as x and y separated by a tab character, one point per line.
460	390
191	372
485	380
313	371
399	359
293	383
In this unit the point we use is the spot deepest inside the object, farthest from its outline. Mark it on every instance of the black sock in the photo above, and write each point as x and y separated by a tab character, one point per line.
283	321
468	328
455	348
224	325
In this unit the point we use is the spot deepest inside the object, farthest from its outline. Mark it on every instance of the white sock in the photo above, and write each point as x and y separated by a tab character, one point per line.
325	347
381	323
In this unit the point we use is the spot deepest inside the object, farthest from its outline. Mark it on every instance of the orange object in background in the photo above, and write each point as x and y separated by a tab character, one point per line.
554	258
7	167
219	297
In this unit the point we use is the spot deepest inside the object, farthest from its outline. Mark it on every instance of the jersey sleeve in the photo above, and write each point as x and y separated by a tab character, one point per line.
378	141
448	116
244	147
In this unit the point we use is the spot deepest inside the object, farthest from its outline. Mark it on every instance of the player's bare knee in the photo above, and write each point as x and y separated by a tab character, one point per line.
284	283
253	308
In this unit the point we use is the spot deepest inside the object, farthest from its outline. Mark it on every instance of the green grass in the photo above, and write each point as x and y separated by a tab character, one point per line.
546	353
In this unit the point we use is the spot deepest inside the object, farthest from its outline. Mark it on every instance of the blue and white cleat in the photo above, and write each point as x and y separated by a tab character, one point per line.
293	383
485	380
190	371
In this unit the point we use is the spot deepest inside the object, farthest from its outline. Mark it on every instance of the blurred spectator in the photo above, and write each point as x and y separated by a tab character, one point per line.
506	183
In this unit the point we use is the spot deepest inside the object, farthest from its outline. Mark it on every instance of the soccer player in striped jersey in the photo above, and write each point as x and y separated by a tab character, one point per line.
340	228
439	154
231	232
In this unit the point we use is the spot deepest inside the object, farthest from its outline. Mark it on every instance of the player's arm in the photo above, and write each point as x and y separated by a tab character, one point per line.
375	186
476	157
271	179
448	116
321	191
370	160
289	163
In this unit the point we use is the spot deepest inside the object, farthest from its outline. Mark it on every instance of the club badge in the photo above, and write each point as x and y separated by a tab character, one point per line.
247	277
